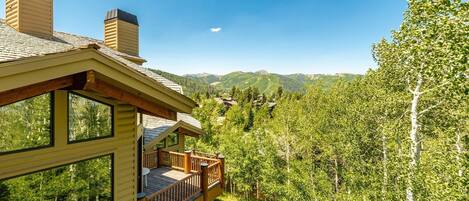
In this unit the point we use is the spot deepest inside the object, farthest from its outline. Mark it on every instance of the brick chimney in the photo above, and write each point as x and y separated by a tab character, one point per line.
34	17
121	32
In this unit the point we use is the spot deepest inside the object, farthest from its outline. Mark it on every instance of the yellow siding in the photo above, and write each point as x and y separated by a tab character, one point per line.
110	33
33	17
11	8
121	36
127	38
122	145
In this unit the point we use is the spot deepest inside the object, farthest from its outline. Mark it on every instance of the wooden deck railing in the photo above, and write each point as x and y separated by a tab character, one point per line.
202	154
214	173
204	172
196	161
150	160
179	191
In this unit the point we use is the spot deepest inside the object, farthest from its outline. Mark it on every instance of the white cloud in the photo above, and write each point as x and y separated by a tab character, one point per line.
215	29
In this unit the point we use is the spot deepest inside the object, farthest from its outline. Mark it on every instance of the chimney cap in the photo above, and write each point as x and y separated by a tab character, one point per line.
121	15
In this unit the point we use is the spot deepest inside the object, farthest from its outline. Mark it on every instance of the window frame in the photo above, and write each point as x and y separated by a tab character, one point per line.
68	118
51	123
111	155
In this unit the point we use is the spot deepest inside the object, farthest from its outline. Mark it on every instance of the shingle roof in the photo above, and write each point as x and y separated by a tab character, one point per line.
15	45
155	126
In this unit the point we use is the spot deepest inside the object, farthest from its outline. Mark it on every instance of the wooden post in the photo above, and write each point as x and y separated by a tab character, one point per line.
187	162
158	157
221	158
204	180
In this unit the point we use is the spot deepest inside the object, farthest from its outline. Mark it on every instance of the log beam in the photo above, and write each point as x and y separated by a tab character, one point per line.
145	106
18	94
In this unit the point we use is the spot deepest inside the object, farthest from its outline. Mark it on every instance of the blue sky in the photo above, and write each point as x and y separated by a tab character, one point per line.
281	36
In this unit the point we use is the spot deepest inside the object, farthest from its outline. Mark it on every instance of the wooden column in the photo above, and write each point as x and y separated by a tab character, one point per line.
204	180
221	158
158	157
187	162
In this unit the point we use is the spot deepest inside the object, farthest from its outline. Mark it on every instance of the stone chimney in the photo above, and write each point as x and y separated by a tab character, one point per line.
34	17
121	32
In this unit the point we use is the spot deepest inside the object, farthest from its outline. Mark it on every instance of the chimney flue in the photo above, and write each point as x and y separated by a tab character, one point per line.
121	31
34	17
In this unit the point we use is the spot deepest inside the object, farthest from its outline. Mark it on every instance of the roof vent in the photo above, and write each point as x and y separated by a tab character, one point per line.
34	17
121	32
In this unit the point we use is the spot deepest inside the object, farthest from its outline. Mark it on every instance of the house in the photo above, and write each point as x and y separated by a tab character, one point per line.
227	102
68	101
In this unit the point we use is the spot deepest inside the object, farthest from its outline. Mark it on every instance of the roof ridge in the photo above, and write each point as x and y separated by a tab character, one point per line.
81	36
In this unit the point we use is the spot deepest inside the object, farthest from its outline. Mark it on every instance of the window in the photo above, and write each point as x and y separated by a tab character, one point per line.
26	124
91	179
88	119
172	139
161	144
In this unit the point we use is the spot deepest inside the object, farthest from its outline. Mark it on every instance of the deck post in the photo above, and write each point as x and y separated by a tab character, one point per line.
204	180
158	157
187	162
221	158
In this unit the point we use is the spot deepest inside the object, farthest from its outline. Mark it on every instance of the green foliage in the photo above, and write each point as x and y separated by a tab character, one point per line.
88	119
25	124
383	136
86	180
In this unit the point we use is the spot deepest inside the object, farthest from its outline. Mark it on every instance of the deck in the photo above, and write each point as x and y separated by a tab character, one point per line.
168	180
160	178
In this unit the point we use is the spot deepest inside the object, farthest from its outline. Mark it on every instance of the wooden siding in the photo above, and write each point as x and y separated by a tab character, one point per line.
110	34
33	17
11	11
121	36
127	38
122	145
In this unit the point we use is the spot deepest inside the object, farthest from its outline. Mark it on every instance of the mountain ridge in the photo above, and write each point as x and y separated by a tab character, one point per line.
266	82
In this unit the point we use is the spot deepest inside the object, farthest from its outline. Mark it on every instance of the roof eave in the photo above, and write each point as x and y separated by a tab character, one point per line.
177	101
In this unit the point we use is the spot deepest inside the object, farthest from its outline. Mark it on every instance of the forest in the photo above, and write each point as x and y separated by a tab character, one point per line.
400	132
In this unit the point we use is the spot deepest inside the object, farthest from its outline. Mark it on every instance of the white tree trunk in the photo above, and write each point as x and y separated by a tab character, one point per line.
336	176
385	165
414	138
459	149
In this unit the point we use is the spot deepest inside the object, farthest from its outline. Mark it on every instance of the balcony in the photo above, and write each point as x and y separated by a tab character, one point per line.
183	176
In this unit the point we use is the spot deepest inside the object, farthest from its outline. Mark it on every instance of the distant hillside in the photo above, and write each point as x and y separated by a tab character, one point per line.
269	82
189	86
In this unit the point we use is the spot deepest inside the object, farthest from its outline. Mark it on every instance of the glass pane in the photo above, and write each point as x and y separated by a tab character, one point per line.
86	180
172	139
26	124
88	119
161	144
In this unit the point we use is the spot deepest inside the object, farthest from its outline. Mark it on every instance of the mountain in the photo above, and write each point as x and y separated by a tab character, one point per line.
266	82
269	82
189	86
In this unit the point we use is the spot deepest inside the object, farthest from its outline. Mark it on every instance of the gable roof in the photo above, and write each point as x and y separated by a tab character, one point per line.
15	45
155	128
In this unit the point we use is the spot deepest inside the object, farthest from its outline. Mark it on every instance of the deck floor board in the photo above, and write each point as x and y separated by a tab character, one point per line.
160	178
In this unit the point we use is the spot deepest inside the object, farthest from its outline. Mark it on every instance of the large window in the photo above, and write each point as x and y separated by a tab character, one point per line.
88	119
172	139
26	124
86	180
